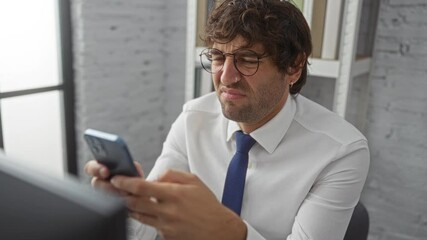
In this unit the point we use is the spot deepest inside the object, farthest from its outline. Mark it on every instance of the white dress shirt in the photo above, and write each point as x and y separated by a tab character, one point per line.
305	173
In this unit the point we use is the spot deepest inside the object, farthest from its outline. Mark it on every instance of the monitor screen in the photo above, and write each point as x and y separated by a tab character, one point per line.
36	206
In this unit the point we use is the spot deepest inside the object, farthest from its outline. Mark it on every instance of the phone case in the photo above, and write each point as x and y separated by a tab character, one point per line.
112	151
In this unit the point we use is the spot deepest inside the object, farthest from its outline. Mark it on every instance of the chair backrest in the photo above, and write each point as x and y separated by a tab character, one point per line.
358	227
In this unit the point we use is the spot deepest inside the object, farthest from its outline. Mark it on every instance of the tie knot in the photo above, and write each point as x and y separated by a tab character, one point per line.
244	142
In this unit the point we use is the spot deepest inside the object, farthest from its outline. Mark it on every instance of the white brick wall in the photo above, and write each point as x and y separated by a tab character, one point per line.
129	71
396	192
175	44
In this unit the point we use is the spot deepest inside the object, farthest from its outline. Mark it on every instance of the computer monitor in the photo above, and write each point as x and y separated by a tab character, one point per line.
38	207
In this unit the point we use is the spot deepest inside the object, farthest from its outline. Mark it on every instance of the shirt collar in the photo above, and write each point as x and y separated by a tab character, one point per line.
270	134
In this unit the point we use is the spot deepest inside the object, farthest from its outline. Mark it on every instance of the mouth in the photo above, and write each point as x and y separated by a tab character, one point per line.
231	94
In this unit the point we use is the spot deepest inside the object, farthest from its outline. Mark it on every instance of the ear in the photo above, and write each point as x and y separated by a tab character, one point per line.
294	73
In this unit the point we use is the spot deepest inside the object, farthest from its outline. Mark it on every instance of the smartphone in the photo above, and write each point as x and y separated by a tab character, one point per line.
111	151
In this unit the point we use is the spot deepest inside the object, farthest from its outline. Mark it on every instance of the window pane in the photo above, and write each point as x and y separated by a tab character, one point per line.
28	44
32	130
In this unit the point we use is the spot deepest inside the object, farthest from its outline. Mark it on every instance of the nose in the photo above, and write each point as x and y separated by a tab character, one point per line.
229	73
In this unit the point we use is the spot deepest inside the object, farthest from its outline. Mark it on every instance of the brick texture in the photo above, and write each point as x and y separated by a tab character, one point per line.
129	65
396	190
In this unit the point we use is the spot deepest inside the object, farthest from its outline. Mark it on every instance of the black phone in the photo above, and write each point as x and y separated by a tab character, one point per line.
111	151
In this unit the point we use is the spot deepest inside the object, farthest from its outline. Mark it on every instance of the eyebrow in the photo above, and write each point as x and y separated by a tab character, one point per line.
239	49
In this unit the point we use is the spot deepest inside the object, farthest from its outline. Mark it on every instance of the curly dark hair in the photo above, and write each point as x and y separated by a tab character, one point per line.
278	25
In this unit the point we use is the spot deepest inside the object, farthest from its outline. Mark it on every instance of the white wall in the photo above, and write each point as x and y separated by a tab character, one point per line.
396	190
129	68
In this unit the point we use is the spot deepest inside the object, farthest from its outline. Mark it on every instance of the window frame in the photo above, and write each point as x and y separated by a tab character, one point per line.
66	87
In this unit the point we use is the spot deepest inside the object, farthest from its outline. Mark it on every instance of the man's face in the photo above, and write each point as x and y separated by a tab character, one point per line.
252	99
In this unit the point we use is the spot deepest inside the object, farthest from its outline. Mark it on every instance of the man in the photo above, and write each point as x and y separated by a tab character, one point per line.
306	168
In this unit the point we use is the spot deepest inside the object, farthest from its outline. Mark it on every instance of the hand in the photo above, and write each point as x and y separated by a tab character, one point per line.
100	176
180	206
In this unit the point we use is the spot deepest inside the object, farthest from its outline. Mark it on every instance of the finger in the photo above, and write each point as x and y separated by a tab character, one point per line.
133	185
95	169
143	205
178	177
140	187
139	168
106	186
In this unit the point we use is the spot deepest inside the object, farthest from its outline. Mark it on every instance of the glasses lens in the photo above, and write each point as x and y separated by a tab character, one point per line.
246	62
212	60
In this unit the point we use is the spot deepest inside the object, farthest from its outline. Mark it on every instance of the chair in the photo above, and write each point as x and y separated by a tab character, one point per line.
359	224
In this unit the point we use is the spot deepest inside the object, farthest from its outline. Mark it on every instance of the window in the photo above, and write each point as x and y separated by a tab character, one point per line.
36	91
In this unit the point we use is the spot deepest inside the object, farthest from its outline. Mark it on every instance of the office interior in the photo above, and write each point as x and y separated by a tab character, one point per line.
122	66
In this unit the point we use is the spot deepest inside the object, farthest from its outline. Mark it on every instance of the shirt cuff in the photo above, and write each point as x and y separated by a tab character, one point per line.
142	232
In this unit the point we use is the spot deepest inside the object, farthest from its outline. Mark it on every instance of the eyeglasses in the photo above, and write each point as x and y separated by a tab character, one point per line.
245	61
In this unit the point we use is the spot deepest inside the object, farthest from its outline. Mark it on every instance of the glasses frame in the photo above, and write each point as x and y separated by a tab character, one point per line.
225	55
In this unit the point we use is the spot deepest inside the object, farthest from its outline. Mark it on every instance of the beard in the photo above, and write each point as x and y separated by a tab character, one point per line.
257	105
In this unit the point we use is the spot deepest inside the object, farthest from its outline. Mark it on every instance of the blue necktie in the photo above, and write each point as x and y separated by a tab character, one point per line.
236	174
